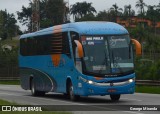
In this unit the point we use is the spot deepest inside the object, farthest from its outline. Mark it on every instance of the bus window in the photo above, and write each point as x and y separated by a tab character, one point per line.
65	45
45	45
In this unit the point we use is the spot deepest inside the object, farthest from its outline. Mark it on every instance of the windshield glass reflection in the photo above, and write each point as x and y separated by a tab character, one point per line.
107	54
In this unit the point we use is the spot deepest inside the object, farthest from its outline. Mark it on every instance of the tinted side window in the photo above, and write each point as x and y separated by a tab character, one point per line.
45	45
39	45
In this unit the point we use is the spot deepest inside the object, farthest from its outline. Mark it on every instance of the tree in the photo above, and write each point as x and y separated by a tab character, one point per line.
56	11
140	4
128	11
8	27
52	12
158	7
24	16
158	11
106	16
152	13
11	26
116	11
87	17
82	9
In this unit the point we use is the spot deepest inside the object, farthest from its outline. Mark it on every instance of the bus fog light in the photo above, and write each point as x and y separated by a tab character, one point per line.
130	80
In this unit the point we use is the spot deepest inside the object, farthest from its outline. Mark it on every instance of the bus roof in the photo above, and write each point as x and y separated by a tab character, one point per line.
83	28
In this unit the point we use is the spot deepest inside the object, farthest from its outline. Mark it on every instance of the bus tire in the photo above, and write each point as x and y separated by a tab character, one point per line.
34	91
72	96
115	97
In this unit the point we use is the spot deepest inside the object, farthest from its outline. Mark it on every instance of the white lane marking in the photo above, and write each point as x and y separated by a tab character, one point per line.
132	112
131	99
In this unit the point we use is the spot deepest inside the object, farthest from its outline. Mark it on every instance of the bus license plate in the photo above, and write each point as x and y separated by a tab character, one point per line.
111	90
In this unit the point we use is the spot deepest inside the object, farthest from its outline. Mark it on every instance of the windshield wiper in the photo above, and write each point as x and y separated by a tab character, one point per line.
105	62
115	63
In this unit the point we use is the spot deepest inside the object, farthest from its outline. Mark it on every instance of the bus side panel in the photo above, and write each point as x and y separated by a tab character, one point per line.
60	72
37	67
42	81
24	80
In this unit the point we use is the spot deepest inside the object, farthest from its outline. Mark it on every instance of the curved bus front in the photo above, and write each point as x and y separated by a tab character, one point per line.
105	66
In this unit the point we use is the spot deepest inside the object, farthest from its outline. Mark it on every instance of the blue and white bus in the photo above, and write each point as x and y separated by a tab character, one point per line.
78	59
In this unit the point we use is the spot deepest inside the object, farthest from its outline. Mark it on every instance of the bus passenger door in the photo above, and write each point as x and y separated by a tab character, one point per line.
78	62
77	59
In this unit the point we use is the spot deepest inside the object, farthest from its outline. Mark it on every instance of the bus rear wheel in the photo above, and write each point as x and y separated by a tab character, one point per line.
34	91
115	97
72	96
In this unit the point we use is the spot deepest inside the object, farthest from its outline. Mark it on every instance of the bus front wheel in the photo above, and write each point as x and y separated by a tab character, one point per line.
72	96
34	91
115	97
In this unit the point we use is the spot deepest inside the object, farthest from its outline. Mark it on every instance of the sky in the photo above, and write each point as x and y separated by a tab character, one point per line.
13	6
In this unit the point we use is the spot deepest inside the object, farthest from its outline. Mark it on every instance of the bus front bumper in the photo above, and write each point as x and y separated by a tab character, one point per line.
112	88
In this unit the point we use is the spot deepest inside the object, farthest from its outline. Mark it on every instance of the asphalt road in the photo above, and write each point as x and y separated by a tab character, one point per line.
16	94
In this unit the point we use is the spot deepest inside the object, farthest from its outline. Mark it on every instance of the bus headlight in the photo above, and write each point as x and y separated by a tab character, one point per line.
131	80
90	82
85	80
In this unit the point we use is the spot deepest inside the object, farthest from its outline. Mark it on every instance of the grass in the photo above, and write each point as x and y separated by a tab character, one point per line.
148	89
3	102
10	82
13	42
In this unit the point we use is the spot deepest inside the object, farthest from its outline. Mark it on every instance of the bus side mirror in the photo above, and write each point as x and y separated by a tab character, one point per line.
138	47
80	48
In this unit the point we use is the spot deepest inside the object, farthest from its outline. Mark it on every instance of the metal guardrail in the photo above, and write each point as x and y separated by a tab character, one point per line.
9	72
148	82
9	78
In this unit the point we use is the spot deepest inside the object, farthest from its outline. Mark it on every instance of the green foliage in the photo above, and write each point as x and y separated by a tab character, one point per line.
148	89
147	69
116	10
128	11
8	27
82	10
10	82
3	102
8	57
140	4
87	17
52	12
24	17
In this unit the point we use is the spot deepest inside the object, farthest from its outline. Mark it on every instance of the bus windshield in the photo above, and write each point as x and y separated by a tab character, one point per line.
107	55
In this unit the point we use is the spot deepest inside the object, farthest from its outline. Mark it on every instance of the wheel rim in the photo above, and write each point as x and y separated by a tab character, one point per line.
71	92
72	96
